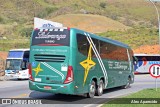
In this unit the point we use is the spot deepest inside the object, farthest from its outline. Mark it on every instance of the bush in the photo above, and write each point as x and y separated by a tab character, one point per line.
46	12
25	32
2	21
102	4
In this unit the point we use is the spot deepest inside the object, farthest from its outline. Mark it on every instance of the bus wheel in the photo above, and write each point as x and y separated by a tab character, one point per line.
128	83
92	90
100	88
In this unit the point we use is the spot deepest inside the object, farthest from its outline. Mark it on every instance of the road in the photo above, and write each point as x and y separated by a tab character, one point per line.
19	89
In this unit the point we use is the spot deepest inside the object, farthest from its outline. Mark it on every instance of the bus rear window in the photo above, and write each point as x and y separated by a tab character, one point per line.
51	37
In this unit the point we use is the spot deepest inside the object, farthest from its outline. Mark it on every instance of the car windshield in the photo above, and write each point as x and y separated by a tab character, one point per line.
13	64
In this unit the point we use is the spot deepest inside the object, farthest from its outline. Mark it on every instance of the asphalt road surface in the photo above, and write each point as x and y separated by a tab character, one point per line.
19	89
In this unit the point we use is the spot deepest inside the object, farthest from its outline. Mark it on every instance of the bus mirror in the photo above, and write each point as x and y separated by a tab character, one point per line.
135	60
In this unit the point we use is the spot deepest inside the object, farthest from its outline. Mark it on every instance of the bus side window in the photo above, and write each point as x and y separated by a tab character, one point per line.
82	44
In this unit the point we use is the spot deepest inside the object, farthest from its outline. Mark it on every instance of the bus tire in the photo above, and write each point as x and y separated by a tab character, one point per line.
92	90
128	83
100	88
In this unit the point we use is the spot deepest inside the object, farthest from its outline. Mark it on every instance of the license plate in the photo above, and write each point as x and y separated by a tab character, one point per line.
37	79
47	87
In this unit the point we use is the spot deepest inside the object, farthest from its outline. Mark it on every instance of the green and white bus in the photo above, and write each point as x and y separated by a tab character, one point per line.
72	61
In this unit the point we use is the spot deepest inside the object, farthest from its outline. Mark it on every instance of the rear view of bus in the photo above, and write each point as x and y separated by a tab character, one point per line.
50	68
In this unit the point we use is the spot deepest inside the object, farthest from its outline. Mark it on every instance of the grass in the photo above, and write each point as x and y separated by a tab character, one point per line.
6	45
90	23
140	96
16	19
134	37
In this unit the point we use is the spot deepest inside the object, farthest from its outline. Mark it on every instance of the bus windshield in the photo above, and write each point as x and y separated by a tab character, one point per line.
148	58
51	37
13	64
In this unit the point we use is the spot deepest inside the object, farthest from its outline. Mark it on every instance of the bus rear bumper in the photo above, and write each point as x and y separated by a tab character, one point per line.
52	88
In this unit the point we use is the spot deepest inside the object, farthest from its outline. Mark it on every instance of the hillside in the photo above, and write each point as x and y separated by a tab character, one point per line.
20	13
128	12
90	23
147	49
134	37
3	55
121	20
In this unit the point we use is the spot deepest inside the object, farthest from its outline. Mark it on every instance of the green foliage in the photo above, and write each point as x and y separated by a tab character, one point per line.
1	19
46	12
102	4
134	37
25	32
143	95
6	45
129	12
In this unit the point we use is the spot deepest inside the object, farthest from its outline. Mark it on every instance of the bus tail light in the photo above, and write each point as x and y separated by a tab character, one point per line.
68	28
69	77
30	72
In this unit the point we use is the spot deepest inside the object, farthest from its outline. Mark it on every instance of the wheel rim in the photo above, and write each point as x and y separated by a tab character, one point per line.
100	88
128	83
92	89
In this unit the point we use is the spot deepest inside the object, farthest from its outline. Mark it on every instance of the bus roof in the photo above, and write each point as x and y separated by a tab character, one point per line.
116	42
105	39
20	49
146	54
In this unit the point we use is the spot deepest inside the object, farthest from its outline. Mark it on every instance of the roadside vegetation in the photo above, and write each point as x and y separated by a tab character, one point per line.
16	19
131	100
135	37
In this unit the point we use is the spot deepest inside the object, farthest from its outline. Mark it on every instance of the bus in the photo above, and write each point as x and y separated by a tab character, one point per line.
71	61
17	64
144	61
